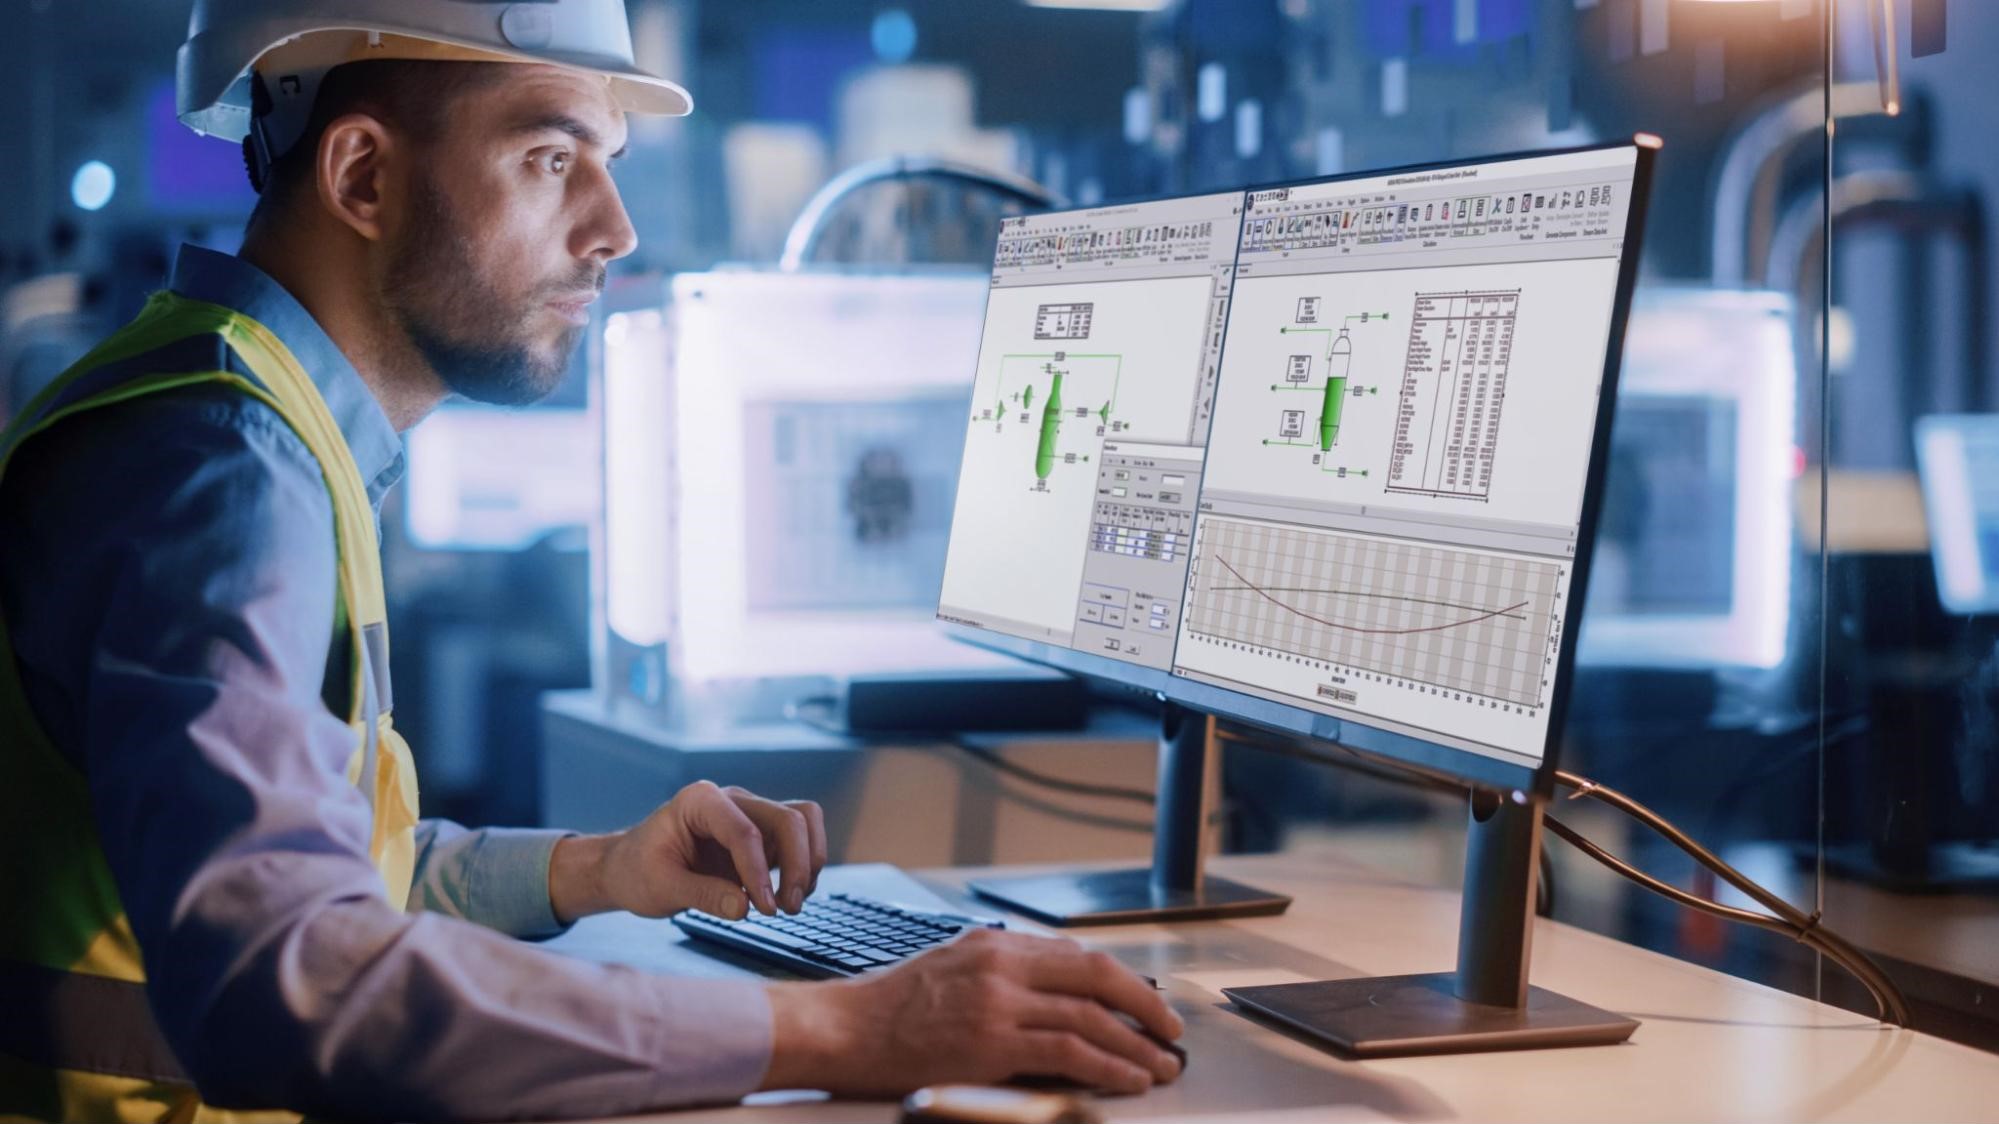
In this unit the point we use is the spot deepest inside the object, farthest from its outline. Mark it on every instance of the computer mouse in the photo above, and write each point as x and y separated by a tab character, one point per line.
1166	1044
1046	1081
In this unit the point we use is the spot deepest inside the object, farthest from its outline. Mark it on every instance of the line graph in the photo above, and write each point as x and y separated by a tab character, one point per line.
1508	611
1457	619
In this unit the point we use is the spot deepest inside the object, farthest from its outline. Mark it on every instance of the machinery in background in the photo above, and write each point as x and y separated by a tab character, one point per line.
1697	545
781	450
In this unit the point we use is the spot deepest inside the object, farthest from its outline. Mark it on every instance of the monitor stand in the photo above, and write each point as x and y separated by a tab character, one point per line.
1173	889
1487	1003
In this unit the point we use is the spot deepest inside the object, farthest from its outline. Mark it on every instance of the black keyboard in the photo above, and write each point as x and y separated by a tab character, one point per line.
837	935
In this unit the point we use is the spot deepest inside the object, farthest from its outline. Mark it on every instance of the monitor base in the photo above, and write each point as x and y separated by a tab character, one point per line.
1120	897
1391	1016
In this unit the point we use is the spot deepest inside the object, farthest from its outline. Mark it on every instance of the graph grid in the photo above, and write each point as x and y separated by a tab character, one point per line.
1454	619
1453	388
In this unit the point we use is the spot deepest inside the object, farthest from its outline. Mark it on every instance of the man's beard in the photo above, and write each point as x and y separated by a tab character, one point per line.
464	327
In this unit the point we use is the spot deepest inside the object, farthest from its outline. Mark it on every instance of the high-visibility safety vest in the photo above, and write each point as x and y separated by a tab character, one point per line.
77	1039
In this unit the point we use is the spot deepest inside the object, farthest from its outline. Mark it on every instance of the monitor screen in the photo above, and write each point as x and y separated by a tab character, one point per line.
1392	394
1096	377
1958	456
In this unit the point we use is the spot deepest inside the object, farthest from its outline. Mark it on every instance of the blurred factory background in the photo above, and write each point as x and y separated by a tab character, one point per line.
1776	652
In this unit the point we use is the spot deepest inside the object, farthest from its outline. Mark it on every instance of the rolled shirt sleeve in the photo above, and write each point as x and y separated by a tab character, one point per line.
179	661
495	876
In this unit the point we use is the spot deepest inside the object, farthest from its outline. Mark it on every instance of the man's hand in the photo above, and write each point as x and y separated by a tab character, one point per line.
708	848
983	1008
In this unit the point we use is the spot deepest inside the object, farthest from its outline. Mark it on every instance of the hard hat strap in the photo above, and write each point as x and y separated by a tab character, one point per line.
258	152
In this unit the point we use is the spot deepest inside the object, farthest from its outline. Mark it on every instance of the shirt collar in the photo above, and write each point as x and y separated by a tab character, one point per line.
233	283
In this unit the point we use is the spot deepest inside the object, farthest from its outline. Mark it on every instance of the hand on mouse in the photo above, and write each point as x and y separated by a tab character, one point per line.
988	1006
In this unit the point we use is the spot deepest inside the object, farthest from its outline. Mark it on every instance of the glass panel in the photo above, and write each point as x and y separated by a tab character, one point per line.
1912	800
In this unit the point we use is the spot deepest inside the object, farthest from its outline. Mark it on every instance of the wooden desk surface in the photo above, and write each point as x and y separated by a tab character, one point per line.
1711	1047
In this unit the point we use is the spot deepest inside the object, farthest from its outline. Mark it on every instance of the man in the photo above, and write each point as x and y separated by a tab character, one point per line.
218	894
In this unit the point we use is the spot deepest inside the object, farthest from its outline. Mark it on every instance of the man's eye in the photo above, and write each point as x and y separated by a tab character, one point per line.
556	162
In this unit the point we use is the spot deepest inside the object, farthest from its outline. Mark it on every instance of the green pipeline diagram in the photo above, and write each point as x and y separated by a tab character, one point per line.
1331	394
1075	387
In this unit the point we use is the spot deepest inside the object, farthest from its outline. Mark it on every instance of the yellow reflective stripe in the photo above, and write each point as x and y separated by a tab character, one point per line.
139	387
274	363
92	359
152	329
298	401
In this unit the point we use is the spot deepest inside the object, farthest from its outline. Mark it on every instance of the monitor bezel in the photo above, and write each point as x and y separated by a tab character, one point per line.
1471	766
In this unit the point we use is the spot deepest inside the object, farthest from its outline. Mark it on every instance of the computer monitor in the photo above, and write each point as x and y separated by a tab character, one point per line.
1694	551
485	478
1958	458
1342	483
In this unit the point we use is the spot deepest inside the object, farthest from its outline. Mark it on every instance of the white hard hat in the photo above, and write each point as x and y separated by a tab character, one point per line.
286	46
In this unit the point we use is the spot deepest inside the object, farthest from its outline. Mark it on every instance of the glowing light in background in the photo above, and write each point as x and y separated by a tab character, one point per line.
1211	86
1137	115
93	185
1248	128
893	35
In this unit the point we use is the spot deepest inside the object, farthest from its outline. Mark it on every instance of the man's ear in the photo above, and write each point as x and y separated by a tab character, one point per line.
352	172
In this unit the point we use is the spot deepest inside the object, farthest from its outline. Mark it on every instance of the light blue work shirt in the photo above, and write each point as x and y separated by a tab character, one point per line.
168	583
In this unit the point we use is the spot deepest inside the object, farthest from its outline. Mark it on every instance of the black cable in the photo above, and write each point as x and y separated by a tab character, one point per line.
1032	776
801	710
1393	774
1788	920
1716	909
1805	928
1544	887
1028	799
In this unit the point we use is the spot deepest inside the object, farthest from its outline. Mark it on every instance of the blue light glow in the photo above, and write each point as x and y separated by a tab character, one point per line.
893	35
93	185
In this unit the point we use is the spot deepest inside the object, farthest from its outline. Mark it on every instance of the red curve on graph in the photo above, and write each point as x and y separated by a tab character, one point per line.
1353	628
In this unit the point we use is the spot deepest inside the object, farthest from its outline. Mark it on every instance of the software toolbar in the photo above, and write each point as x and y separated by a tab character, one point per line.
1391	220
1169	235
1164	242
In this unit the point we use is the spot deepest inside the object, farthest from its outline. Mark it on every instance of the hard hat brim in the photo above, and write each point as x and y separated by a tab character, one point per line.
636	90
216	113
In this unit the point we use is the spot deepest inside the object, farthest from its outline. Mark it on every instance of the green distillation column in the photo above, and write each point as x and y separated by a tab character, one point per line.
1338	364
1051	420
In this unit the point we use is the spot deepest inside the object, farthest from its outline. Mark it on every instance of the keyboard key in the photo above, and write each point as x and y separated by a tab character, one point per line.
771	936
845	934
